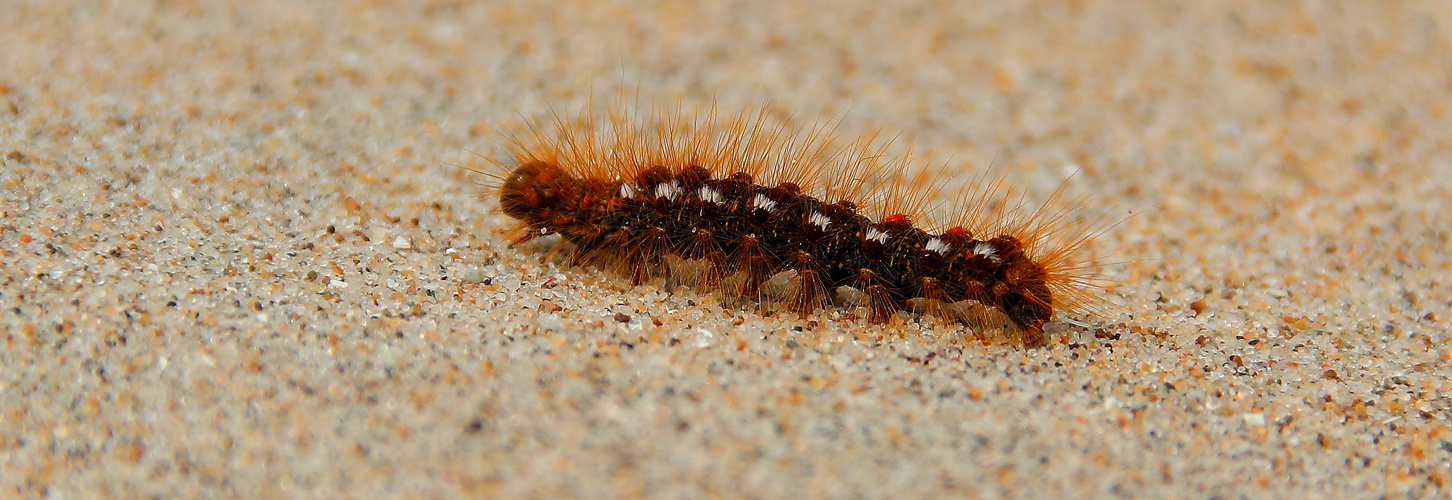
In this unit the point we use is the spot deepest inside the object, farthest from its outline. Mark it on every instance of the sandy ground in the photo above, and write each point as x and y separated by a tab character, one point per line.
235	259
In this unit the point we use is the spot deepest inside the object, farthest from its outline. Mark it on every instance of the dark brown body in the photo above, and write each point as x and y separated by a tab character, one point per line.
753	232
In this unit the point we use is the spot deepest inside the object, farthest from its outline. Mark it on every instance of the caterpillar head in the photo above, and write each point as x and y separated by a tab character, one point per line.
532	191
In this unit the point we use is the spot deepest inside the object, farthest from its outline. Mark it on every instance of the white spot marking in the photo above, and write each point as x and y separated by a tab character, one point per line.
987	250
937	245
668	191
819	220
709	195
875	235
627	190
763	203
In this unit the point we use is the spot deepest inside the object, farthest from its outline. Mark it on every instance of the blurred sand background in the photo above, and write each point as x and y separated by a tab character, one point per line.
235	259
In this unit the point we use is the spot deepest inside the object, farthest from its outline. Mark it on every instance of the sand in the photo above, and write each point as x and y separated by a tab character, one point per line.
238	257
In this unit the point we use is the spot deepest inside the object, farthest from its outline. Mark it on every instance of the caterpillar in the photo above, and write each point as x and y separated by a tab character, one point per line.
745	205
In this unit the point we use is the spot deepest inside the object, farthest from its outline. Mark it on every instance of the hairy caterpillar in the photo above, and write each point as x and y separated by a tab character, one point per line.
738	203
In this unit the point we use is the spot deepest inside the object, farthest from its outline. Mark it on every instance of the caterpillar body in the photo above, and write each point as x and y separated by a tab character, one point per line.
735	203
